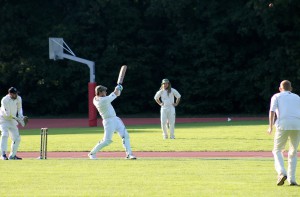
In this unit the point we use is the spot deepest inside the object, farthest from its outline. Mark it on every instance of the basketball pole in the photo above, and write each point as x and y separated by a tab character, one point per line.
56	47
91	87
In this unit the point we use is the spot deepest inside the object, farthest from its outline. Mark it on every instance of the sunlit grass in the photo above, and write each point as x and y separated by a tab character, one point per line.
142	177
217	136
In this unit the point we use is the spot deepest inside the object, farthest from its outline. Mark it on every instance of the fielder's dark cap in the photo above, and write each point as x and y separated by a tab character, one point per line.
100	88
13	90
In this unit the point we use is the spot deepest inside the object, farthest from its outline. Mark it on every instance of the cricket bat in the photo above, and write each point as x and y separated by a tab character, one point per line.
122	74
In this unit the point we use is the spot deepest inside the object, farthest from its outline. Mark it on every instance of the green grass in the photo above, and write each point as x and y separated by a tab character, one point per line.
143	177
217	136
148	176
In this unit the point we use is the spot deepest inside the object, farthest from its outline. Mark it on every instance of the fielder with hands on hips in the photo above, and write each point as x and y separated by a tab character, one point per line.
165	98
11	106
286	106
111	122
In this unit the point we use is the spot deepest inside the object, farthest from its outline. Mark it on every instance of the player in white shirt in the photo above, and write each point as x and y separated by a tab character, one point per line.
111	122
286	106
11	106
165	97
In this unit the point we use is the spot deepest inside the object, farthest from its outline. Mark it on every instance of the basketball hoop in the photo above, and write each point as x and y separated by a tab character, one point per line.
56	52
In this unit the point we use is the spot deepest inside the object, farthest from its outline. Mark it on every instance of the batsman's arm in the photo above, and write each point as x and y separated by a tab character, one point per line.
118	90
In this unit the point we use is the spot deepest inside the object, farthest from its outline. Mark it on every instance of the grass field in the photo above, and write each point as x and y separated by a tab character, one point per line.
149	177
143	177
217	136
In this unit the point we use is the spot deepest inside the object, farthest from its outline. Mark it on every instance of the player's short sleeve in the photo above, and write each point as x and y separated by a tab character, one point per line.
274	103
176	93
157	95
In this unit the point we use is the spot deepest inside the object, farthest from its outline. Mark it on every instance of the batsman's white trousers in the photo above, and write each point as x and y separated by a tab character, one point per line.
167	116
9	128
112	125
280	139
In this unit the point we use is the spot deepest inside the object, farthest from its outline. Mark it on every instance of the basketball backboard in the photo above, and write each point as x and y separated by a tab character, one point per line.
56	48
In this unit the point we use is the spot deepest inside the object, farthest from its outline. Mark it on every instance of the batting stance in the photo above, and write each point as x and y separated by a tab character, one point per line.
111	122
11	106
286	105
165	98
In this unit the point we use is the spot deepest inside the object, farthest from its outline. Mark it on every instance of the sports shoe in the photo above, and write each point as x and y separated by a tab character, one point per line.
131	157
14	157
165	137
92	156
4	157
281	179
172	137
293	184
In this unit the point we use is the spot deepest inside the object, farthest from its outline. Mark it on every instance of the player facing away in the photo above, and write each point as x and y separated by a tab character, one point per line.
11	106
165	98
110	121
286	105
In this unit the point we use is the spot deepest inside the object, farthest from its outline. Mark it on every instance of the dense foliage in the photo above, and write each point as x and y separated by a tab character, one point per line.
224	57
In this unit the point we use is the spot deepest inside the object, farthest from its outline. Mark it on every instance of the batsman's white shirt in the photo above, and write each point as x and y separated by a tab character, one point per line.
104	107
286	105
167	99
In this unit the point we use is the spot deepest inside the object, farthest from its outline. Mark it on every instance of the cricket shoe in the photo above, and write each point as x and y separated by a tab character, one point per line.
14	157
293	183
132	157
92	156
4	157
281	179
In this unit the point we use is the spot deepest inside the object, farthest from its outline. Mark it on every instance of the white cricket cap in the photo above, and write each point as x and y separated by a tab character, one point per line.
165	81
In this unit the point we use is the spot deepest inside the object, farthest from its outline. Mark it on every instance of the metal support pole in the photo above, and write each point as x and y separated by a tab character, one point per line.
89	63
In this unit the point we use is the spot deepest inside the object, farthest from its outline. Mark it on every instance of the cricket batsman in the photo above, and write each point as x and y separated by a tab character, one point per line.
111	122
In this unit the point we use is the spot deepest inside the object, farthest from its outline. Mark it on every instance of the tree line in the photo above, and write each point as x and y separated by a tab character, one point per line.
224	57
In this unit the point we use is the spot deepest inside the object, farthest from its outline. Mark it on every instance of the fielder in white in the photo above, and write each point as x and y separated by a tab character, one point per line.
165	98
111	122
11	106
286	106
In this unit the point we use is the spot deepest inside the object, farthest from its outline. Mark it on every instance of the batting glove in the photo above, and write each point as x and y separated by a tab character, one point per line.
119	87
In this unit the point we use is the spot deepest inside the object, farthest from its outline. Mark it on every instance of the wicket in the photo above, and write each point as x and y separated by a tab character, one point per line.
44	139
